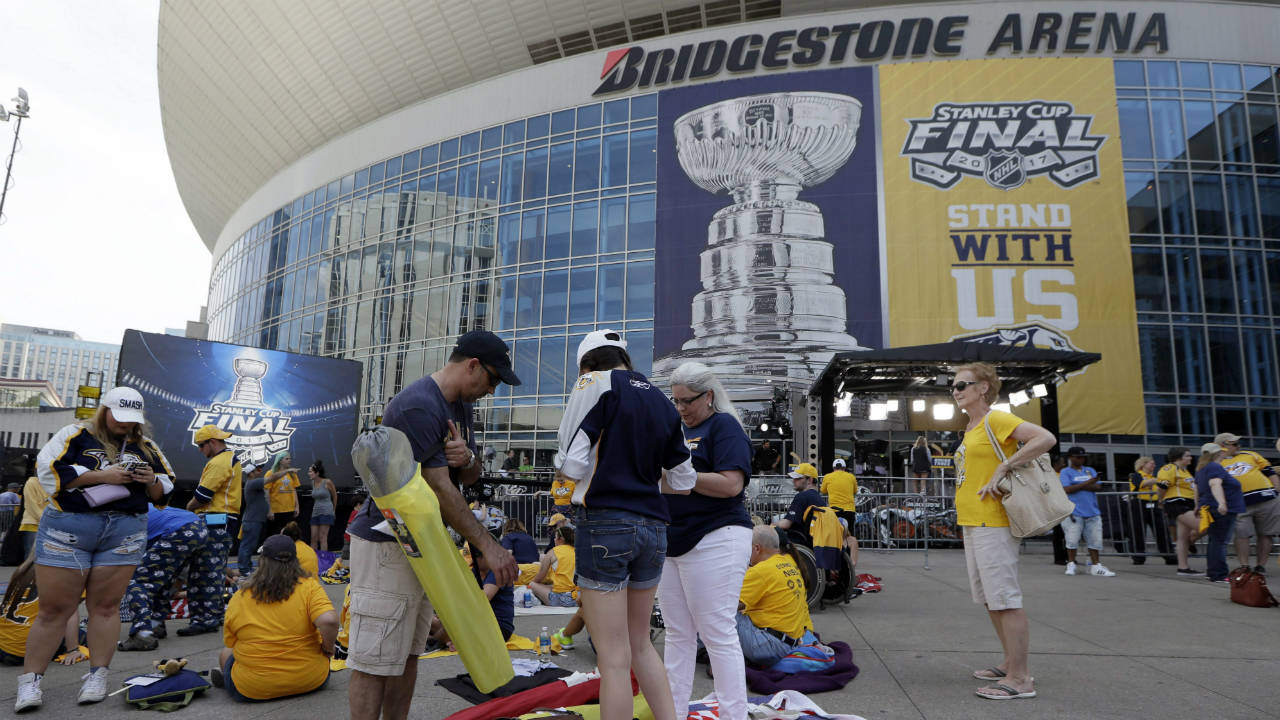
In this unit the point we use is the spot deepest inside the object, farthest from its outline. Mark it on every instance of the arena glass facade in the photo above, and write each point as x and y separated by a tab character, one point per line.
542	229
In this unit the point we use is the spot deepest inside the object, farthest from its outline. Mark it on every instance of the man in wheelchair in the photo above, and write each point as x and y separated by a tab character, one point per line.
822	556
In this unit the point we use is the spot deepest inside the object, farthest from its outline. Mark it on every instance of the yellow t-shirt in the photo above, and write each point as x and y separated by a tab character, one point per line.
282	493
840	487
1179	481
277	646
976	462
1247	467
15	625
774	595
307	558
221	476
562	566
1147	495
35	500
562	492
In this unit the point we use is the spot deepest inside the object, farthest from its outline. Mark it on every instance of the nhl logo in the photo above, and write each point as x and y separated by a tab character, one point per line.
1004	170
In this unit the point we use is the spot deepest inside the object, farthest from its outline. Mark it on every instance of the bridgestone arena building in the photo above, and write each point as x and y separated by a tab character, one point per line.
754	184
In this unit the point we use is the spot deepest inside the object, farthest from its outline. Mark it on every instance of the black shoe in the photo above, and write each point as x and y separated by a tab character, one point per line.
194	629
1188	571
1139	561
161	631
1260	569
215	678
138	643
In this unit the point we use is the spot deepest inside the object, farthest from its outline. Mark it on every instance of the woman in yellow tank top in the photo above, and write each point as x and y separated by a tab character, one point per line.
1177	496
557	567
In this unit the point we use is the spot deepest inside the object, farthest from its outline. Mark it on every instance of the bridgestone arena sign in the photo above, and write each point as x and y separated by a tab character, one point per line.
1038	34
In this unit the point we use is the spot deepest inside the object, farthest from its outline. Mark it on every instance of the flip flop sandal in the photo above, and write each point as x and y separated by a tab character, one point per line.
989	674
1008	692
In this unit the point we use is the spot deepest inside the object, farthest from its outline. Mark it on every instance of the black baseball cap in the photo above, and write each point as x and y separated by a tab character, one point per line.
1076	450
489	349
279	547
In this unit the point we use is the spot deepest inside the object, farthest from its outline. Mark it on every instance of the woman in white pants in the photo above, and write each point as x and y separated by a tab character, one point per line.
708	544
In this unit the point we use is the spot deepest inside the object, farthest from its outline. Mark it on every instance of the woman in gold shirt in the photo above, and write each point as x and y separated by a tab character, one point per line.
1143	510
1177	495
282	493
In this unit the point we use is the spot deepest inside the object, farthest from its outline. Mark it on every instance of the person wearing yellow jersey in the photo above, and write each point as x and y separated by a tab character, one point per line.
19	608
1260	485
772	612
1177	495
282	492
1142	510
990	550
562	491
217	502
280	630
307	557
553	585
34	501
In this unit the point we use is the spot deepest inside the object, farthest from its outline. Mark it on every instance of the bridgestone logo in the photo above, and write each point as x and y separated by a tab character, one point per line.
1005	144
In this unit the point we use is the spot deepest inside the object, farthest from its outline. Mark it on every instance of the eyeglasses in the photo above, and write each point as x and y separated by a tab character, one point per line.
685	402
961	385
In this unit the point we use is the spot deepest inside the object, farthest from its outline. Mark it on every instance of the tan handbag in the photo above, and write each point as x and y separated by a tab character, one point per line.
1033	496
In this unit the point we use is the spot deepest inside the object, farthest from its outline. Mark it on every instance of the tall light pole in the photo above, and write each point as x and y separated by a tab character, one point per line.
21	109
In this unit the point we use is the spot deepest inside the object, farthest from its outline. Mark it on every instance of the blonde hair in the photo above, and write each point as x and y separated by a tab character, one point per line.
97	427
921	441
1142	462
1206	458
984	372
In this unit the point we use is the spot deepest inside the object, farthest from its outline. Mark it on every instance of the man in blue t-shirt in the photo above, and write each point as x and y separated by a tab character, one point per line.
1081	483
435	413
804	477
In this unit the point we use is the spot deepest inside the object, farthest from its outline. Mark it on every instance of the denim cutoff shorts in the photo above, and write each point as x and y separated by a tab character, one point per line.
617	549
80	541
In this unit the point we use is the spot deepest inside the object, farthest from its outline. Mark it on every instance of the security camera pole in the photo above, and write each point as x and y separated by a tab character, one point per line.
21	110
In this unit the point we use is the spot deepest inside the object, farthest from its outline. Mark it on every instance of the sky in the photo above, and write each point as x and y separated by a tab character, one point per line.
94	238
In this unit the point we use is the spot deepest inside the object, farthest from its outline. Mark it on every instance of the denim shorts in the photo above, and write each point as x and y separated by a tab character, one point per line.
561	599
1090	529
617	549
79	541
321	519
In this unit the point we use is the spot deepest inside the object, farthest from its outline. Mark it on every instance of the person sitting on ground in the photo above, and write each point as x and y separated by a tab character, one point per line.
558	565
772	612
516	539
279	630
307	557
554	522
174	536
502	600
17	610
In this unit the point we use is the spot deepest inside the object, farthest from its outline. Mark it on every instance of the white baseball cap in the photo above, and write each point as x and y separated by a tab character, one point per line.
838	462
599	339
125	404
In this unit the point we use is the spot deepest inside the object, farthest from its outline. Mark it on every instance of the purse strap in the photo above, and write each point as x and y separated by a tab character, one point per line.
986	423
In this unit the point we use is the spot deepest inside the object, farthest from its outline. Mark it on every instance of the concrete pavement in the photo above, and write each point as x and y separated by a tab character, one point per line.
1144	644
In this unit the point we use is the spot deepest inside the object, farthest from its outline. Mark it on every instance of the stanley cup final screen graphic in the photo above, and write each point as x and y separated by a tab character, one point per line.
270	401
768	252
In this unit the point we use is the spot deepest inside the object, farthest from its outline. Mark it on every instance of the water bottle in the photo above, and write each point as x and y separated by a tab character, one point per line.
544	648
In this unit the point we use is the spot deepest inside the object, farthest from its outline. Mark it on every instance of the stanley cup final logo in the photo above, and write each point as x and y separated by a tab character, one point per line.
769	307
257	431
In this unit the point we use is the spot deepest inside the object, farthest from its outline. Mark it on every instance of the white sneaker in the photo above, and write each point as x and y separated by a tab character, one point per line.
1071	568
1101	570
94	688
29	695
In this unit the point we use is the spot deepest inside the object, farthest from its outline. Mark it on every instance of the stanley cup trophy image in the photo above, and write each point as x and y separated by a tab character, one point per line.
768	308
248	387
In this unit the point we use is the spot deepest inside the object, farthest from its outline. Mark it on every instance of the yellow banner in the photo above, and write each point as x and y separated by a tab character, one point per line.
1005	219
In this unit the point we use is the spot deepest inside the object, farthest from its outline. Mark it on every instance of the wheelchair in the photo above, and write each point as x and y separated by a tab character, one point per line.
819	590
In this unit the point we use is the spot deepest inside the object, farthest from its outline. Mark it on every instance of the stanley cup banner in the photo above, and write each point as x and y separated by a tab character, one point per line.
1005	219
270	401
768	253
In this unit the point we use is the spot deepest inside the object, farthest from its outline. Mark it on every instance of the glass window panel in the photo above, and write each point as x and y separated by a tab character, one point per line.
513	132
369	268
507	303
1175	203
552	366
1249	282
610	293
1264	139
1234	132
508	239
487	188
1257	78
1192	359
1184	280
1224	349
644	106
640	348
491	138
393	167
430	155
1197	421
469	144
555	297
529	300
588	116
483	301
1202	137
512	171
1273	274
422	256
1129	73
560	166
1162	73
535	174
1166	125
1226	77
1140	189
532	230
468	175
1210	219
376	174
586	165
582	295
1259	364
409	161
613	168
613	236
1195	75
1135	129
562	121
1157	359
537	127
524	361
362	179
441	251
585	229
1149	279
1266	423
559	223
644	158
1219	291
449	149
639	290
616	111
1241	218
1269	205
641	227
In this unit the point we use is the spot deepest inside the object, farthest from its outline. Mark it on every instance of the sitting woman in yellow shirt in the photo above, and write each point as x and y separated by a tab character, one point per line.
557	565
279	630
18	610
307	557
